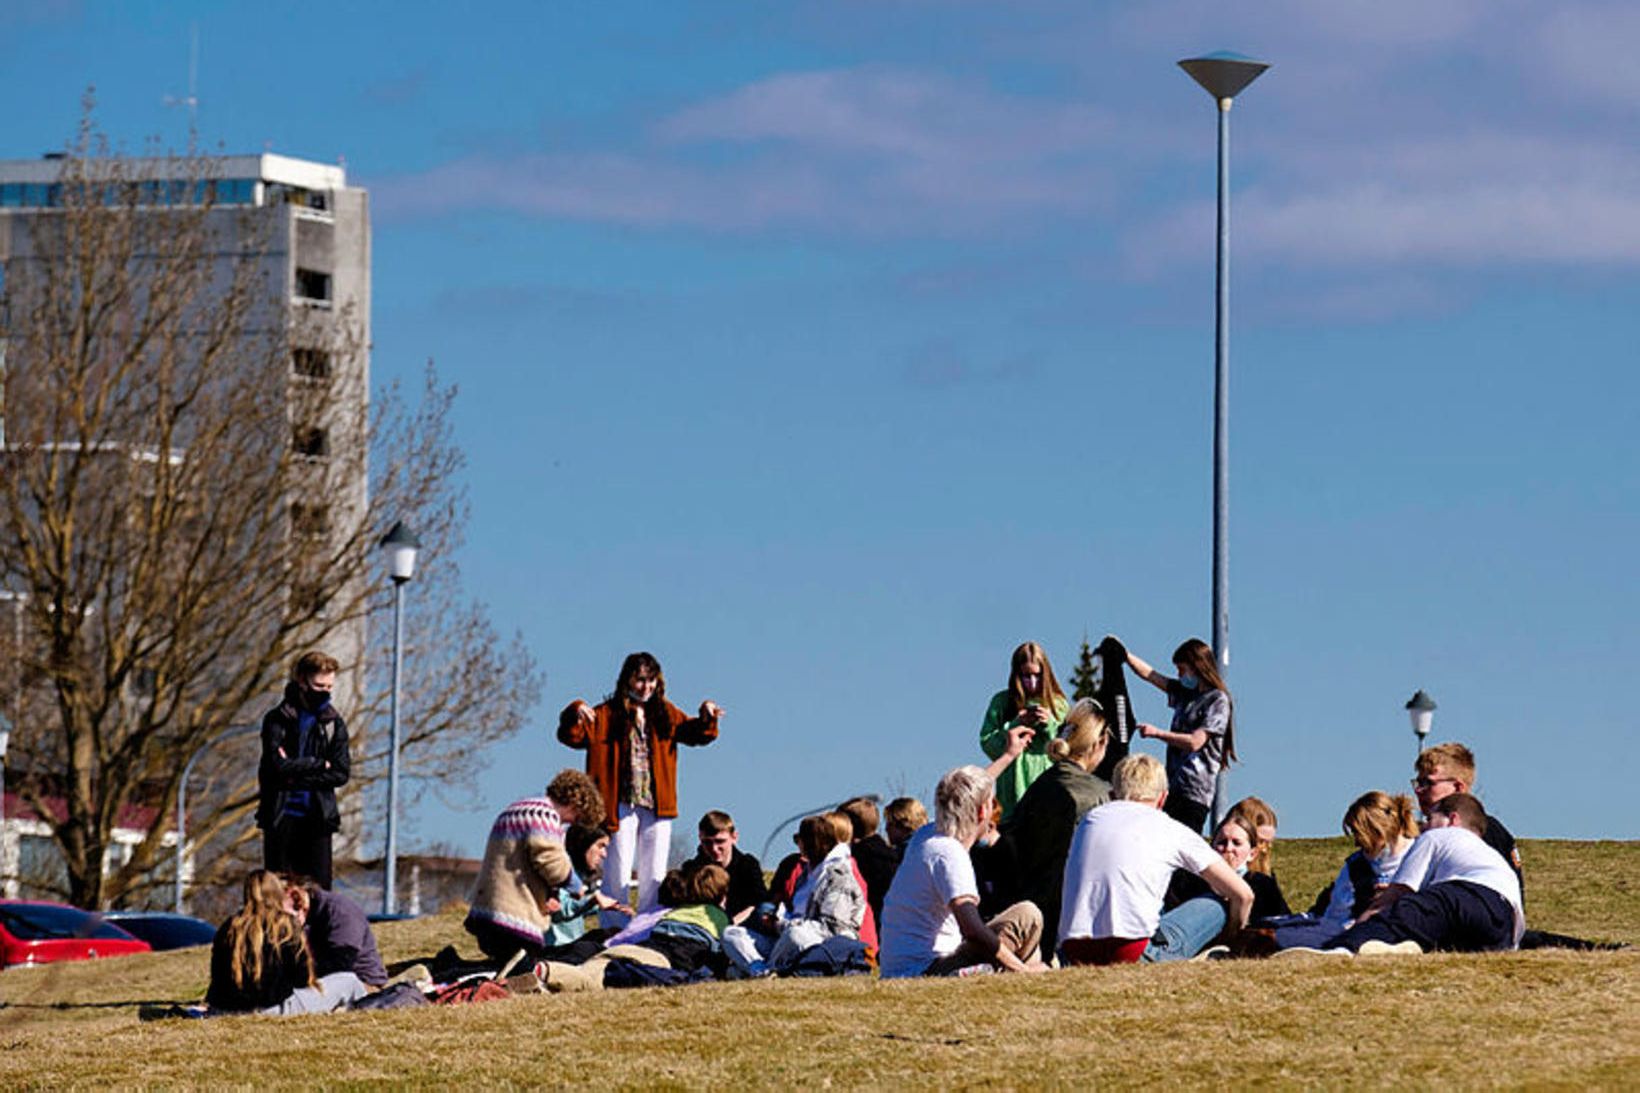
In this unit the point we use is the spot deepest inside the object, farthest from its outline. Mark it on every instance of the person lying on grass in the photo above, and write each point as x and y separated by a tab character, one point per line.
260	962
931	922
1121	859
686	935
1452	892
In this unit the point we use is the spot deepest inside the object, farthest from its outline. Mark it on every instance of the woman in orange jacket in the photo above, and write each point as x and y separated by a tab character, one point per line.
631	740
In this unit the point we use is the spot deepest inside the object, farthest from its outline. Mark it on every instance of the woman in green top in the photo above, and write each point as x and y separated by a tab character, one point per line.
1033	701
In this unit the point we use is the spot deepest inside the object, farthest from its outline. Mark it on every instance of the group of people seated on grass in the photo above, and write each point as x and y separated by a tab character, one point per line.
1066	850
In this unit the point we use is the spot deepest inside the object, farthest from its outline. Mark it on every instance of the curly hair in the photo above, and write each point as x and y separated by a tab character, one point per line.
573	790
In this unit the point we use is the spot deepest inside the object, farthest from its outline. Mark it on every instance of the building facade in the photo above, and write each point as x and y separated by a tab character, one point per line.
303	234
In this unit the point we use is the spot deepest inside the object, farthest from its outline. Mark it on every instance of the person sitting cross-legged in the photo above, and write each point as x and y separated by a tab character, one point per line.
931	922
1453	892
1121	859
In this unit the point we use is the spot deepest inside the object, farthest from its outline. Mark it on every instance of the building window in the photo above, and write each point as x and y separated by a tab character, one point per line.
310	440
312	363
309	521
313	285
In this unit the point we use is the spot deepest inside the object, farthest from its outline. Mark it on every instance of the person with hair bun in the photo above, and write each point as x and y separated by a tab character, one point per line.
1020	721
1037	837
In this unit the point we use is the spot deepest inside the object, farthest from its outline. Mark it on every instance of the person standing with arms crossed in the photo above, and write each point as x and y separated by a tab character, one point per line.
631	740
304	762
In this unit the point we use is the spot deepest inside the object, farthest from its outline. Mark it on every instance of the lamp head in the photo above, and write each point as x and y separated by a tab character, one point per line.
1223	75
1421	708
401	545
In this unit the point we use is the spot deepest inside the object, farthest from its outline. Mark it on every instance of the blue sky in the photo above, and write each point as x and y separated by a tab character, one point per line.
830	350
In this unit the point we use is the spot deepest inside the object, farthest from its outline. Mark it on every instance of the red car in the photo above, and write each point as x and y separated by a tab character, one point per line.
39	933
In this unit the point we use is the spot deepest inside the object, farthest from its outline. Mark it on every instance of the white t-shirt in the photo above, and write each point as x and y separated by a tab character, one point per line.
1444	854
918	926
1121	858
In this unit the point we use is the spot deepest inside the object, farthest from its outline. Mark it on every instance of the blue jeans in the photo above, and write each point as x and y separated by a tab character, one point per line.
1186	930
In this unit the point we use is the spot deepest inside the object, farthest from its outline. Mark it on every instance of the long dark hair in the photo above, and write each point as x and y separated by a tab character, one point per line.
1196	655
631	666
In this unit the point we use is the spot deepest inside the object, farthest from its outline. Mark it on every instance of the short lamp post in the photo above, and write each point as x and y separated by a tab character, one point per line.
1421	709
1223	76
400	546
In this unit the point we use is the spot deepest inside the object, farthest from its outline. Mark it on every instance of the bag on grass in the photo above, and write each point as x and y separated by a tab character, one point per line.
469	990
398	996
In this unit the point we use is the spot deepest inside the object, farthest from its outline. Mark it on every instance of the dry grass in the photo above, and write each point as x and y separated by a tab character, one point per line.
1547	1018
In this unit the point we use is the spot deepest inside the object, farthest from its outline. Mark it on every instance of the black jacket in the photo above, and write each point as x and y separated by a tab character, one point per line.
284	969
320	773
1113	699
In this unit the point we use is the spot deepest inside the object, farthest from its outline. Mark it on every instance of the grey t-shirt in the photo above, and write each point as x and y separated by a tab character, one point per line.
1190	774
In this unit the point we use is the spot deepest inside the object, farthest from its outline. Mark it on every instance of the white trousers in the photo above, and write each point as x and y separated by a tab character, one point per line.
643	840
338	990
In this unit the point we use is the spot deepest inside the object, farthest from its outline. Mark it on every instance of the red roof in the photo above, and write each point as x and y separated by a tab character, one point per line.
132	816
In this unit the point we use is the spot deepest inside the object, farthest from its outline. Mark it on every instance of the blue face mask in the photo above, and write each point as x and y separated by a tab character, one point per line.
1188	681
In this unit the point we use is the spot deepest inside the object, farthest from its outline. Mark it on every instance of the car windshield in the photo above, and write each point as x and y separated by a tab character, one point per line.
47	921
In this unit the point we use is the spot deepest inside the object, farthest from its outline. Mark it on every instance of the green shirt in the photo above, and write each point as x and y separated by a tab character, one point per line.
993	738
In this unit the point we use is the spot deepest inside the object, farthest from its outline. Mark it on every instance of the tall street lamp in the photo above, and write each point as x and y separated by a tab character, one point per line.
1223	76
400	546
1421	708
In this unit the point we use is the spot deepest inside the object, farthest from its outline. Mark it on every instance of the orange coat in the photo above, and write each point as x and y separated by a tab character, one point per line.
605	744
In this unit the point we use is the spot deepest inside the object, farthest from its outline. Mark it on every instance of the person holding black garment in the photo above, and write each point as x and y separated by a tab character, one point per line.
304	761
1202	737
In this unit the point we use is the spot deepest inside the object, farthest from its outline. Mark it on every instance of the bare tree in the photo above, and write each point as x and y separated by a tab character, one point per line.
185	507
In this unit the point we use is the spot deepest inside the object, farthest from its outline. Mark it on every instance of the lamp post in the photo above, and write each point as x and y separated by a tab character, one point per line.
400	546
1223	76
12	723
1421	708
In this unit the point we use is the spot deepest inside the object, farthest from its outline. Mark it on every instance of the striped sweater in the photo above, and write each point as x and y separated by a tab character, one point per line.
524	865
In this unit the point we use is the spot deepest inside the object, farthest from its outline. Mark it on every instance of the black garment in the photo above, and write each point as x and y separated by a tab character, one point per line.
746	888
1039	833
877	862
1268	902
1363	886
1498	838
1454	916
1112	694
338	933
1193	814
500	944
284	970
318	769
299	846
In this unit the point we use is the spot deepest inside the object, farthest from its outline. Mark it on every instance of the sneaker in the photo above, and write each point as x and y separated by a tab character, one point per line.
1386	948
1212	952
1304	950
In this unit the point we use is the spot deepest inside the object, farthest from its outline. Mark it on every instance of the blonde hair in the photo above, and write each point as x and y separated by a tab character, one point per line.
1083	732
1457	760
957	800
906	813
1258	814
1376	820
1139	777
260	924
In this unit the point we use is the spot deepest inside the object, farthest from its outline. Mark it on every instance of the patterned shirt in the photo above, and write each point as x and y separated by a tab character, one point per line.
638	787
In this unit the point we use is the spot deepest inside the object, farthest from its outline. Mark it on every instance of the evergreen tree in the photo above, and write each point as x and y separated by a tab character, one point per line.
1084	679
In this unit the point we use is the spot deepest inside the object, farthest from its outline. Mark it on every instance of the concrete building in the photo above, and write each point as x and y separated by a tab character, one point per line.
308	233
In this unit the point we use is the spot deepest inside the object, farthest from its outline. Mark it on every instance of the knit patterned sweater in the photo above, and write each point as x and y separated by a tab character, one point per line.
524	865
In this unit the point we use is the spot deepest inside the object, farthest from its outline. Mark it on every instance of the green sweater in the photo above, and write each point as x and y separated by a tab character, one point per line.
993	738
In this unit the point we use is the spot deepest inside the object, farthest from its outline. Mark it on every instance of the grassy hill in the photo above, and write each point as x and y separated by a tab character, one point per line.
1530	1018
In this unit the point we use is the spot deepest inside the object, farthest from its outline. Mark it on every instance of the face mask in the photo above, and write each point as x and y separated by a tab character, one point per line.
1188	681
634	698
